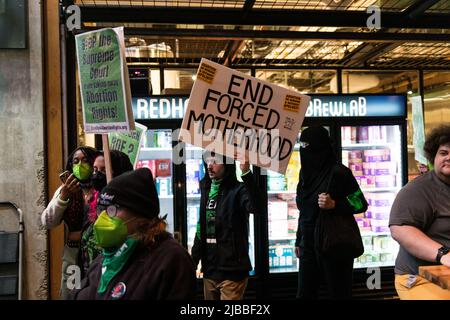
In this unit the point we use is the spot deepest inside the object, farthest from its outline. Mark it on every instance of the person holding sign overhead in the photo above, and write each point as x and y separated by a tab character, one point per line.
221	241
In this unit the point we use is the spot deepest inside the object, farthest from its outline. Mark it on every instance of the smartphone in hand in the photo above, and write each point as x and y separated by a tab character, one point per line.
63	176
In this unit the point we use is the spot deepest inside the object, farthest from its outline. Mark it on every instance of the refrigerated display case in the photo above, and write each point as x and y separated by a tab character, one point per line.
156	154
374	155
283	216
369	132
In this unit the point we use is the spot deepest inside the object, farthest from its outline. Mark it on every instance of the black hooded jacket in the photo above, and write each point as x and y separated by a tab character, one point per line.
321	173
234	204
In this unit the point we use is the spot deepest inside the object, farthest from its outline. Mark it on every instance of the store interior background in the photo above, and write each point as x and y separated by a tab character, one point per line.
163	58
308	45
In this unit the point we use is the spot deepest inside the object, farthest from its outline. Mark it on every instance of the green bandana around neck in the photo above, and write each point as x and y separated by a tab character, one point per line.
114	261
215	184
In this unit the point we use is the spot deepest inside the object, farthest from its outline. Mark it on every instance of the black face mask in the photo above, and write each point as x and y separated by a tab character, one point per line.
98	180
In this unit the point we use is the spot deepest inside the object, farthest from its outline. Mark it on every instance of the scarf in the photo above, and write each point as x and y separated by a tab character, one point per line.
114	261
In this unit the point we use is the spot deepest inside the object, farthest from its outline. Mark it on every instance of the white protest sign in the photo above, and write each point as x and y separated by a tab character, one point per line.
104	82
418	129
232	113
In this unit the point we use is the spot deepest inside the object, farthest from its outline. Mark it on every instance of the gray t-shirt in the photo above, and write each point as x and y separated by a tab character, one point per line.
423	203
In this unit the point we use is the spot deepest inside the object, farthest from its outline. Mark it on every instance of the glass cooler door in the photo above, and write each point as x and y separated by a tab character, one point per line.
373	153
283	215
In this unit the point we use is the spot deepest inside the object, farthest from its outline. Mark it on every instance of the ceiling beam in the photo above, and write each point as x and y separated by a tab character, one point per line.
418	8
318	18
216	34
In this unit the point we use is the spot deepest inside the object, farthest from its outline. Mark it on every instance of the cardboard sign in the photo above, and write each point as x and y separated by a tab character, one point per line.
104	83
128	143
232	113
418	129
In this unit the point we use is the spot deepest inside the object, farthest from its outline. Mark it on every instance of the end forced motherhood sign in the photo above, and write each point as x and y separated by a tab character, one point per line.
232	113
104	83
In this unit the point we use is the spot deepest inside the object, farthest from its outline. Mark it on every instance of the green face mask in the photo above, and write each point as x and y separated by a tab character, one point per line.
82	171
109	232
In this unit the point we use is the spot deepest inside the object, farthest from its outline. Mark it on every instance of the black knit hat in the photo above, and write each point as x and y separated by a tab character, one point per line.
134	190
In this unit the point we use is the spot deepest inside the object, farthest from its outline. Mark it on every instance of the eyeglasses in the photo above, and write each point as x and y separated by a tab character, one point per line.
111	210
303	144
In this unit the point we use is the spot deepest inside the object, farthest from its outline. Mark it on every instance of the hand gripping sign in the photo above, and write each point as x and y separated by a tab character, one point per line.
232	113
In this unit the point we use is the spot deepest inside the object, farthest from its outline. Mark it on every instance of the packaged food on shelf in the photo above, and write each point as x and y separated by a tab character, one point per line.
379	223
366	181
293	213
353	134
388	181
162	139
277	210
383	215
363	134
378	229
163	167
355	155
345	157
292	171
193	214
385	168
147	164
387	257
377	155
346	133
278	229
363	222
367	242
292	226
276	183
380	199
164	186
281	256
369	258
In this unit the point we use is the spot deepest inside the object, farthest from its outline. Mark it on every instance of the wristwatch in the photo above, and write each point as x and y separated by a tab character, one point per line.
442	251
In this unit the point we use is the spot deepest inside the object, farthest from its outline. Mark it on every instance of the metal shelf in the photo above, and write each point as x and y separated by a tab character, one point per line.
365	145
371	233
282	238
282	192
388	189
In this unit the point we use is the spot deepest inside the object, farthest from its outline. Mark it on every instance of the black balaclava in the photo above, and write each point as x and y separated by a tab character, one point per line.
317	158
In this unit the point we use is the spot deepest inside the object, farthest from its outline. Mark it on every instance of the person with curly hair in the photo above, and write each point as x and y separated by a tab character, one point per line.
420	222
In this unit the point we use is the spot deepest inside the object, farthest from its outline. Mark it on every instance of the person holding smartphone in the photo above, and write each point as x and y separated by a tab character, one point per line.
71	204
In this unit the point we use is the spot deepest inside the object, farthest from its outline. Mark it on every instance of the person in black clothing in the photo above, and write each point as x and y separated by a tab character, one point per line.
319	171
140	260
221	241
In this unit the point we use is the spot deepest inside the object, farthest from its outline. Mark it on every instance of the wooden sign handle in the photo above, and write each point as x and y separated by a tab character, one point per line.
107	156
